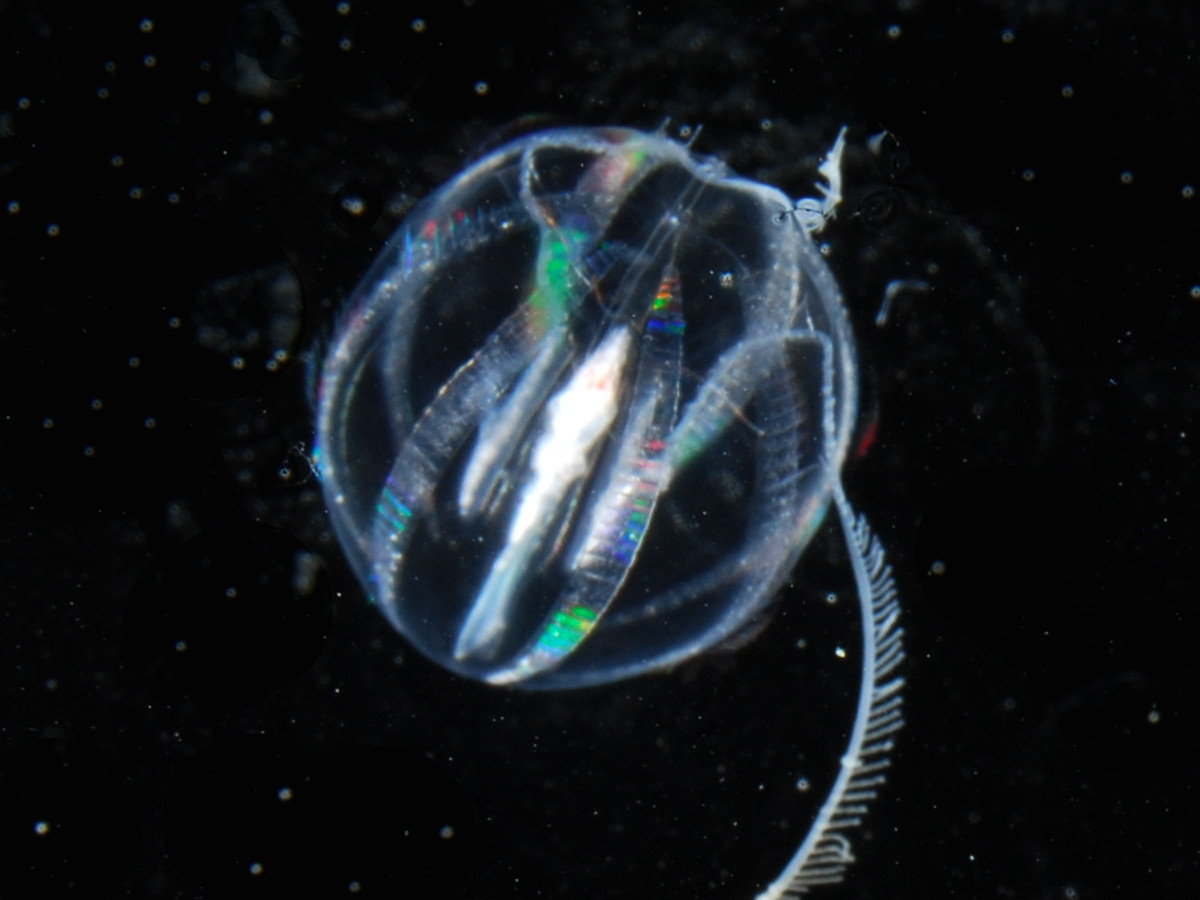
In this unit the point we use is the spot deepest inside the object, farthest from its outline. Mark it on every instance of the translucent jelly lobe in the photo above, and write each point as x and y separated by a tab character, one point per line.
586	409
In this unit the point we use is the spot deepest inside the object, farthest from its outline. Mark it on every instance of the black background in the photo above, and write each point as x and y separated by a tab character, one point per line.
196	701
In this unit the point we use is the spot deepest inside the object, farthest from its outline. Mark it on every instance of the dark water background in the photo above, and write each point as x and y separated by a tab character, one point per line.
195	700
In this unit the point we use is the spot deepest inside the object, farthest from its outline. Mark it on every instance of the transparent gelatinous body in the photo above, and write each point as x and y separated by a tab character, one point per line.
585	413
588	409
